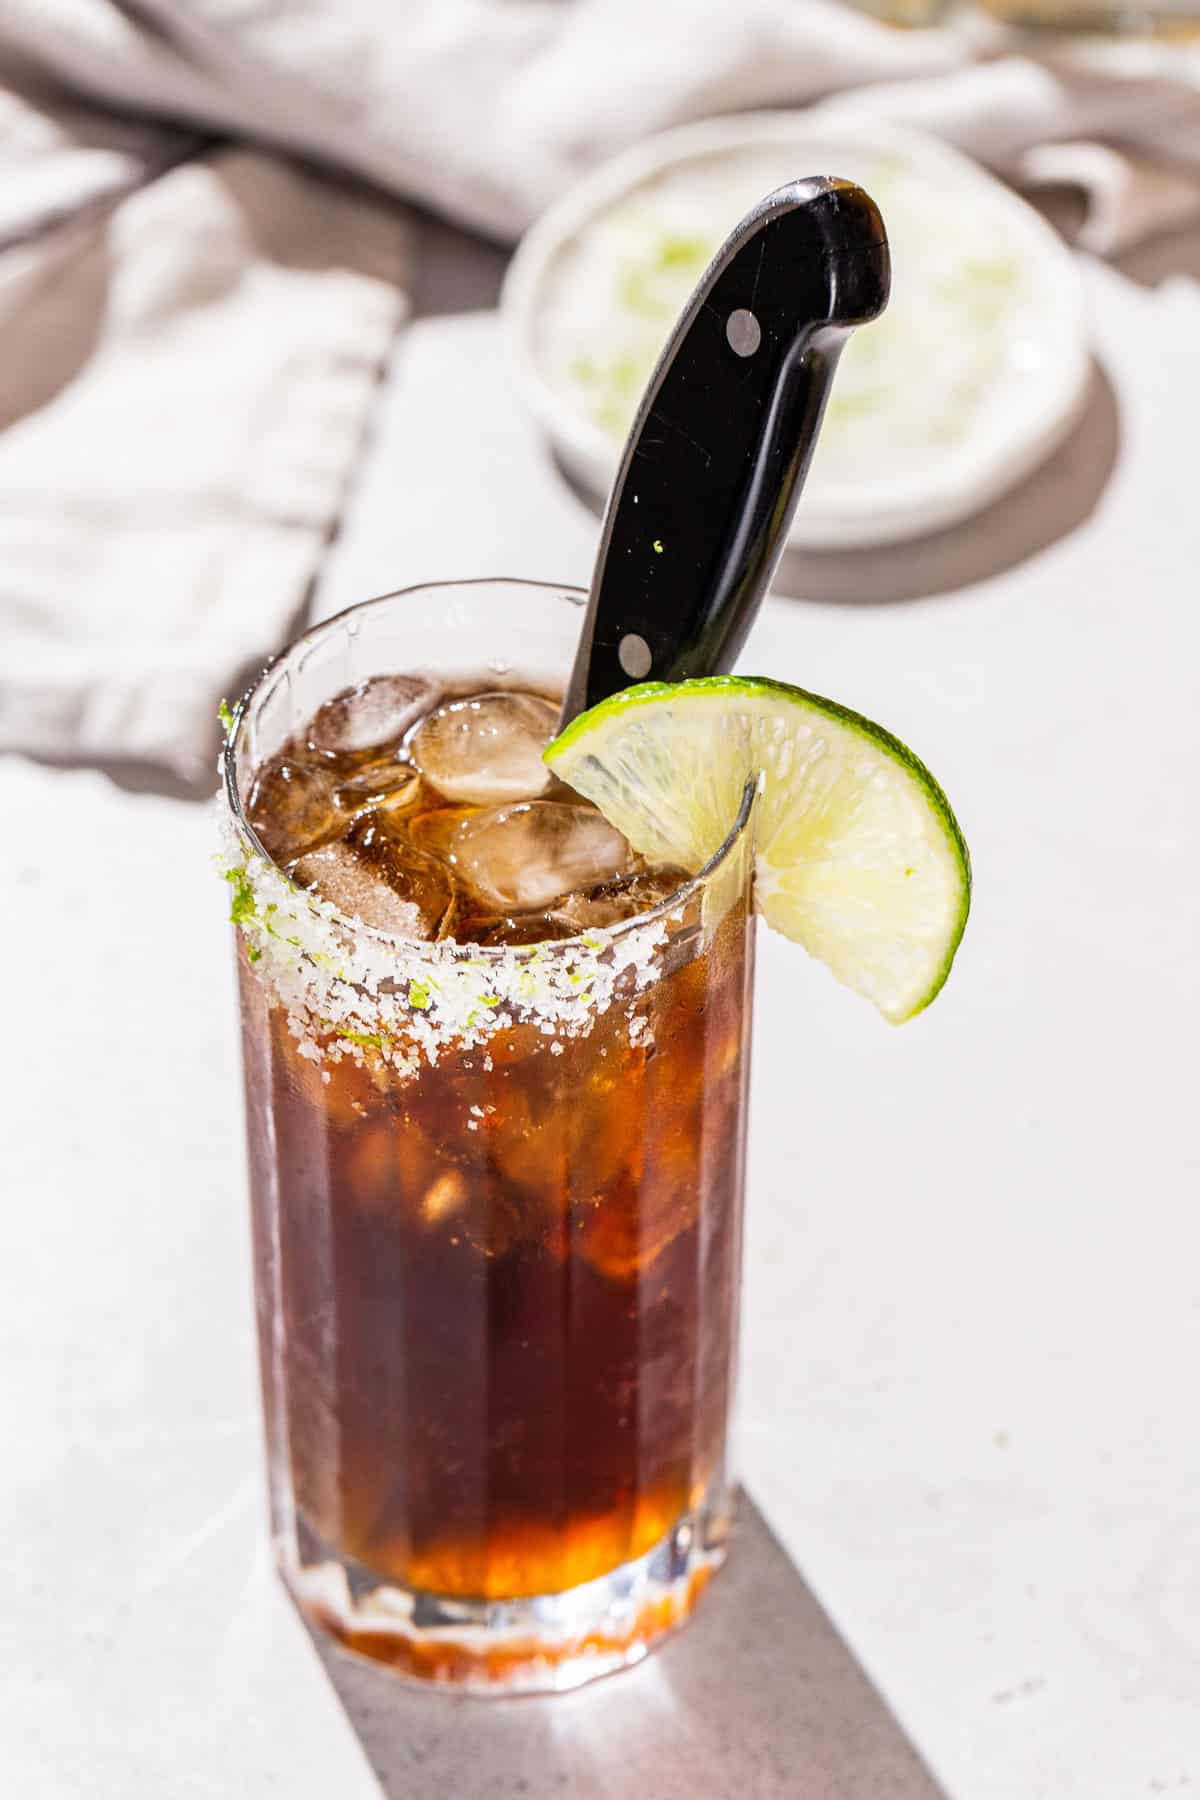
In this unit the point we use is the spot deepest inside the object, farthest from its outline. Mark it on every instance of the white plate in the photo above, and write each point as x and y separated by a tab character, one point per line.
977	372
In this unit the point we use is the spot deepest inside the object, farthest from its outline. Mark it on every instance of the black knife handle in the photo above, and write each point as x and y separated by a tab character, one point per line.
721	444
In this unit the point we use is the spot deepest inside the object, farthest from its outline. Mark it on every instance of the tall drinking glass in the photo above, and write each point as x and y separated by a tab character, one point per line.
496	1196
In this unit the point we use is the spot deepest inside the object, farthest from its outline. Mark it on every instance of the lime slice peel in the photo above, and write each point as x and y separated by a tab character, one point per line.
859	856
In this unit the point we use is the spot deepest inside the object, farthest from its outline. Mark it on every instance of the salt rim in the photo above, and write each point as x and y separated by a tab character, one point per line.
353	990
349	990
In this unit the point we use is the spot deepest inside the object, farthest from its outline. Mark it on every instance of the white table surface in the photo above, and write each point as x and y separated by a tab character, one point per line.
972	1317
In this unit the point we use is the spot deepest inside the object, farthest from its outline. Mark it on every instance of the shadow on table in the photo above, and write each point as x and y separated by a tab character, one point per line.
135	776
1048	505
759	1699
1163	257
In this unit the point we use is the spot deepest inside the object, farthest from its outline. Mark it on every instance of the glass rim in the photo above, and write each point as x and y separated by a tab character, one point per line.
440	948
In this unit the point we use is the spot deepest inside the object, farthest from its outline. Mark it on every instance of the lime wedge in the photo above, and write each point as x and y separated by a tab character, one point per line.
859	857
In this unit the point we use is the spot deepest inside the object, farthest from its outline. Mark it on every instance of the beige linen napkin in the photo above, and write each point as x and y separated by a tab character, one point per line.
190	343
487	109
186	372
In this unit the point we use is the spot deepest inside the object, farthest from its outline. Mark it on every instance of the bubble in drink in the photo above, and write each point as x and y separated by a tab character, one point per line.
488	748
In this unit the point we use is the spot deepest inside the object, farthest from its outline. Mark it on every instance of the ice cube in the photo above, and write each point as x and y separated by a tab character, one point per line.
381	840
487	749
292	807
383	782
409	895
377	712
436	831
523	858
614	901
642	1147
515	928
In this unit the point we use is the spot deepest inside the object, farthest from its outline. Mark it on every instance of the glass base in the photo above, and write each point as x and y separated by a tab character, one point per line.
545	1644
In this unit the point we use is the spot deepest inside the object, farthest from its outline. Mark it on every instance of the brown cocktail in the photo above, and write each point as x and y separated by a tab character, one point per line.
496	1071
